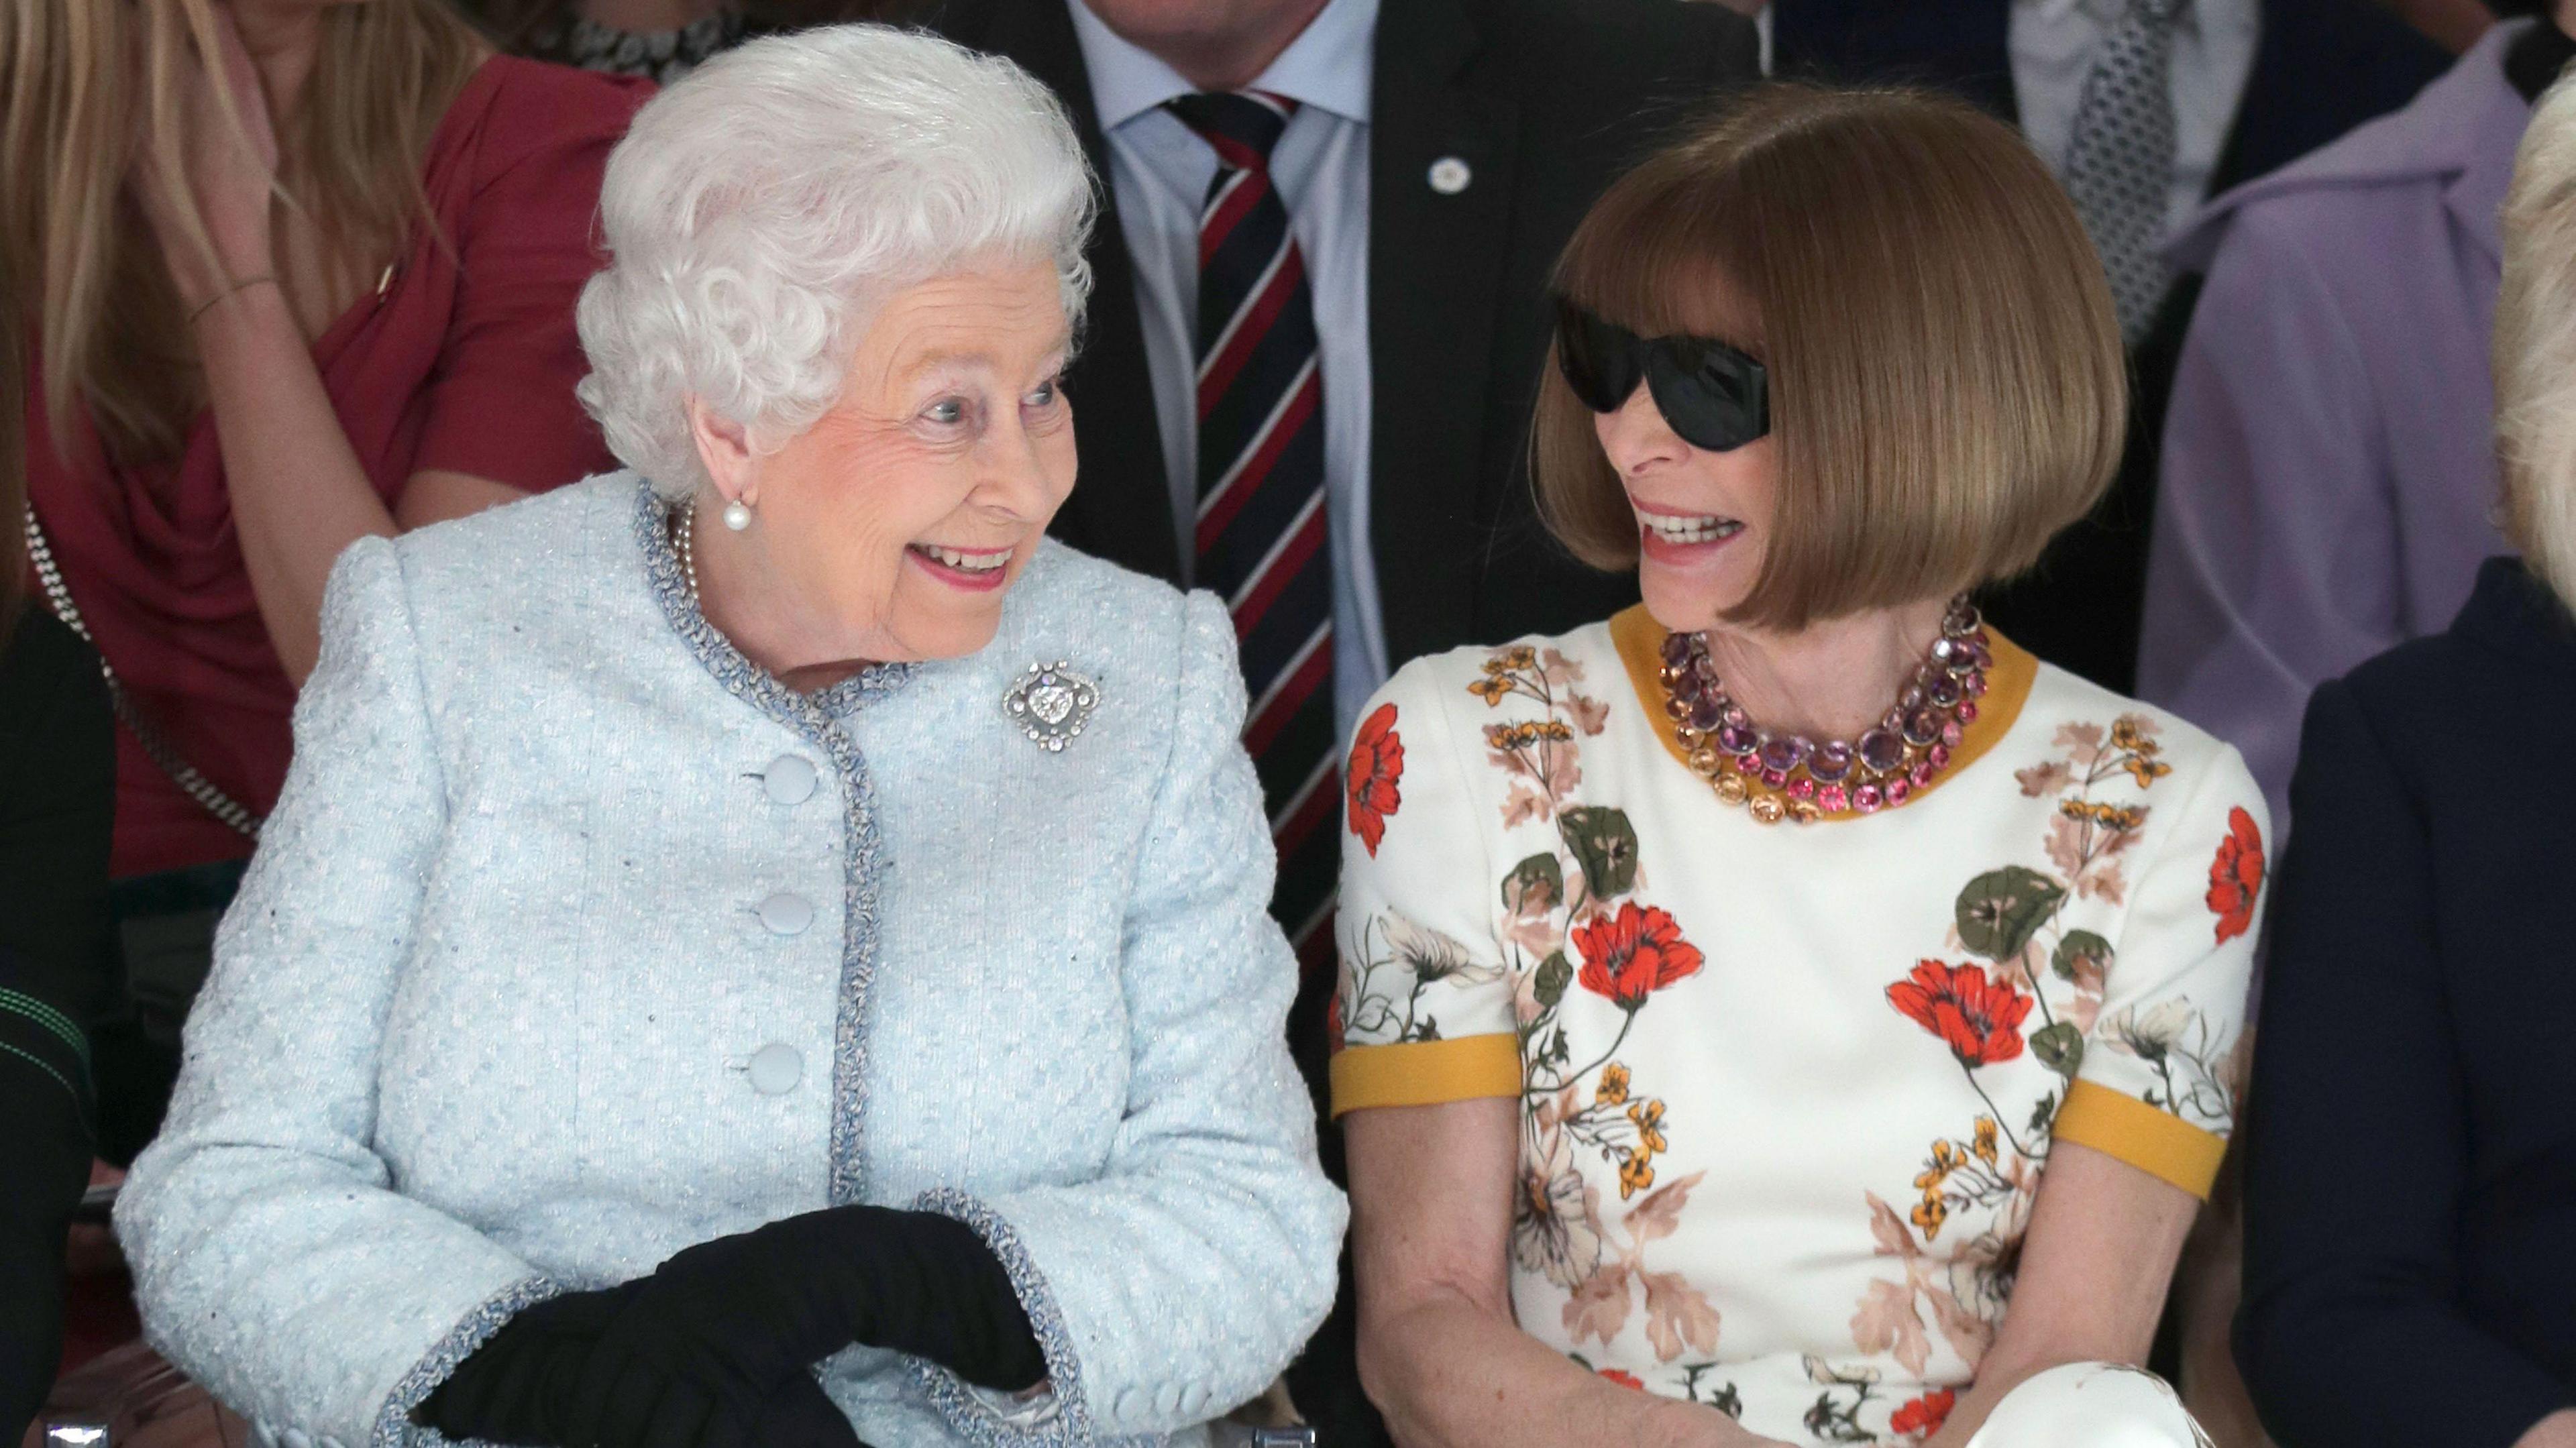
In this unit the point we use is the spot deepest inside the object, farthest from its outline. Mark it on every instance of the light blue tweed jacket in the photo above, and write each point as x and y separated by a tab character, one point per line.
575	939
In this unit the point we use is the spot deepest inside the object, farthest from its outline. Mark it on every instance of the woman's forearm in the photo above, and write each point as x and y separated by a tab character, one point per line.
1448	1374
299	496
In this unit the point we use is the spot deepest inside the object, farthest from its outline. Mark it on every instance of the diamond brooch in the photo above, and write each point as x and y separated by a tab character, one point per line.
1051	703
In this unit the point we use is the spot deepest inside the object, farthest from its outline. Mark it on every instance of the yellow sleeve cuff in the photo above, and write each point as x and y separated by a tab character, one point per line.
1426	1073
2155	1142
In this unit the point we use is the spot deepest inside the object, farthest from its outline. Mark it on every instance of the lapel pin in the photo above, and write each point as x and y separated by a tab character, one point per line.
1450	175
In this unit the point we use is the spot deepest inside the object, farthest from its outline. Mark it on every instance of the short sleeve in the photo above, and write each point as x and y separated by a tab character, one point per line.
1423	1012
500	402
2164	1062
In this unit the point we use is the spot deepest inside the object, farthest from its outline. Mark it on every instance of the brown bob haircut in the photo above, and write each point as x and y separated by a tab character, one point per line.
1947	384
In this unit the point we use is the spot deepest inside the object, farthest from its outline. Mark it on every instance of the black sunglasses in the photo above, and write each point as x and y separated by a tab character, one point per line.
1712	395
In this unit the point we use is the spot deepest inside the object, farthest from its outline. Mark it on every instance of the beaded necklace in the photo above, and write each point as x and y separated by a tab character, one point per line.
1778	776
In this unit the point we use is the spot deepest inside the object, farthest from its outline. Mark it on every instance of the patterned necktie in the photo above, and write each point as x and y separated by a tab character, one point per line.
2120	160
1262	519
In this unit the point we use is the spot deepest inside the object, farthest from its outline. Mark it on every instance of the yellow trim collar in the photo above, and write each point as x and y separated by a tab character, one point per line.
1640	641
2158	1143
1426	1073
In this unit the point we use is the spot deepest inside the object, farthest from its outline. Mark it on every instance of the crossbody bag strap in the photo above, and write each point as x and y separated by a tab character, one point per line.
40	557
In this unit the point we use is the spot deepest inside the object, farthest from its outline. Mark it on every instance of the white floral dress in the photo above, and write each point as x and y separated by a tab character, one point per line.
1786	1091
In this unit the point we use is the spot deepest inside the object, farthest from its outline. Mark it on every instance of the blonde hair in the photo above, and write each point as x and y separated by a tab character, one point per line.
86	80
1948	388
2535	346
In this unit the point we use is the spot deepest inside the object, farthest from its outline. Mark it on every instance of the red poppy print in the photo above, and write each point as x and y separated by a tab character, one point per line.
1377	765
2236	876
1335	1030
1979	1019
1625	1380
1922	1417
1631	955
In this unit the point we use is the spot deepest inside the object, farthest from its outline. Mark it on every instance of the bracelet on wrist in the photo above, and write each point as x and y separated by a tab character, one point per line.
245	284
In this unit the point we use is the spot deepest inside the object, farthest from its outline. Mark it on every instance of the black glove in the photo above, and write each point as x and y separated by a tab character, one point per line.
734	1318
511	1390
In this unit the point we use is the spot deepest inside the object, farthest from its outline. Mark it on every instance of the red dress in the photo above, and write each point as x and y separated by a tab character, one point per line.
463	362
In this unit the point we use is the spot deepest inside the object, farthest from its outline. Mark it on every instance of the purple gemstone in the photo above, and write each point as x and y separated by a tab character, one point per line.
1738	717
1677	649
1922	727
1947	651
1737	740
1868	798
1704	669
1911	699
1881	751
1944	691
1985	656
1782	753
1704	713
1831	762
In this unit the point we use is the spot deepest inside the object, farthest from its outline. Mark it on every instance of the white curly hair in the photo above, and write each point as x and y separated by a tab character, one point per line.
757	212
2535	345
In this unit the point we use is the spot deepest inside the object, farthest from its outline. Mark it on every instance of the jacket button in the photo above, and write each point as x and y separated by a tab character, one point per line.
786	914
1130	1404
776	1068
789	780
1193	1398
1451	175
296	1438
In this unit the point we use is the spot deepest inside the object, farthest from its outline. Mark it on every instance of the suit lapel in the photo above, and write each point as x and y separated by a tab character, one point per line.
1436	262
1121	508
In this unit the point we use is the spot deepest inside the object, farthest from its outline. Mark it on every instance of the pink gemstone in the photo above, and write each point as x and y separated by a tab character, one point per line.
1775	777
1921	773
1968	712
1900	789
1747	765
1801	788
1939	754
1833	799
1951	734
1974	686
1867	799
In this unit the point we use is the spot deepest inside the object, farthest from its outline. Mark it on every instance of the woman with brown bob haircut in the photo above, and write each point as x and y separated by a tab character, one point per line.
1747	998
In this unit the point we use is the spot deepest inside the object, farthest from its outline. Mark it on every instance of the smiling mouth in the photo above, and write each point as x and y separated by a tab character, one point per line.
1686	529
972	564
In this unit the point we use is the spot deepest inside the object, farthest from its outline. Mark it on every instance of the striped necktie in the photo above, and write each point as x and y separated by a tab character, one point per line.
1262	520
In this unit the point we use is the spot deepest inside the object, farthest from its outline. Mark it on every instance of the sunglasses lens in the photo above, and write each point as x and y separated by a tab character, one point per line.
1599	361
1714	396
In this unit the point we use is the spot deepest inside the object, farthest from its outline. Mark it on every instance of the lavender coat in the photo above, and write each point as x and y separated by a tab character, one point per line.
2328	478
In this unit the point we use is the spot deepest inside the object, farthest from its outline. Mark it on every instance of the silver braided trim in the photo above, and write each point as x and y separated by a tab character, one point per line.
156	745
394	1427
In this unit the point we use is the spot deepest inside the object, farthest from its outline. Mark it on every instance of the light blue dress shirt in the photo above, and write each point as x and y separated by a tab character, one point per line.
1159	170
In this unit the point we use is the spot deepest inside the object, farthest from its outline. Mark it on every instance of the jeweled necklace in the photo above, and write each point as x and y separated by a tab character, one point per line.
1778	776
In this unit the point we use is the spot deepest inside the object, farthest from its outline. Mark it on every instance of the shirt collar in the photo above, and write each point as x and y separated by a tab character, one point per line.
1331	64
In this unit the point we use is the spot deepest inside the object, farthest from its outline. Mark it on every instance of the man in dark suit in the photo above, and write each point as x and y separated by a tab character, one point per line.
1419	163
1317	326
2303	73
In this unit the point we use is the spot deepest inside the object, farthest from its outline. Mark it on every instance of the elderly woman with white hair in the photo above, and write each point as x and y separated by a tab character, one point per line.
2410	1247
777	863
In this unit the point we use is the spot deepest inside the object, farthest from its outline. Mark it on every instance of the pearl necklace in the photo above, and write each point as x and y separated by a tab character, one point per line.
684	535
1778	776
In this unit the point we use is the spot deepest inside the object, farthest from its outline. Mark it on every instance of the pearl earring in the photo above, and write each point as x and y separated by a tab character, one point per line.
737	515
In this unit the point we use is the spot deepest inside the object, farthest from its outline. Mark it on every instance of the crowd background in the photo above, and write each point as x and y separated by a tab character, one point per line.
218	374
